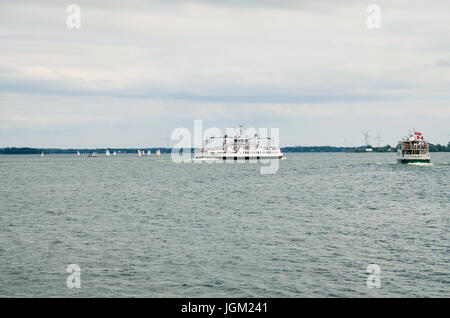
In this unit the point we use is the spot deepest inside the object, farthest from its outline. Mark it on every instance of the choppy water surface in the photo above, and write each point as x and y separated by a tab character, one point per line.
152	228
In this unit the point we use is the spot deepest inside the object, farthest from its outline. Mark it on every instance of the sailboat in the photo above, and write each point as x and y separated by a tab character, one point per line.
114	153
42	155
149	153
78	153
139	153
107	153
93	155
158	153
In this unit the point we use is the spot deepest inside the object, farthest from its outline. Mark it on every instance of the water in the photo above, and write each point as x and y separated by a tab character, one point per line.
147	227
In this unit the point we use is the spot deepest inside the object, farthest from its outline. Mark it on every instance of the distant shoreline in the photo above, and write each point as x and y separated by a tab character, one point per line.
360	149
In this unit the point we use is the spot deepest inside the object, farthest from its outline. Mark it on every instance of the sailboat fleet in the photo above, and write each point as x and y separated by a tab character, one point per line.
142	153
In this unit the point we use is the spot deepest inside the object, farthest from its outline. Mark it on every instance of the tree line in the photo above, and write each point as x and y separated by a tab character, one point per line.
30	151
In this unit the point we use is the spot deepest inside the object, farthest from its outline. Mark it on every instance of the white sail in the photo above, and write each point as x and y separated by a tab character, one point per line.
78	153
149	153
139	153
114	153
158	153
42	155
107	153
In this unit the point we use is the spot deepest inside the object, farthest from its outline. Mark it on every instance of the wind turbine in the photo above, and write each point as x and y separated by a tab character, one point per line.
378	140
366	137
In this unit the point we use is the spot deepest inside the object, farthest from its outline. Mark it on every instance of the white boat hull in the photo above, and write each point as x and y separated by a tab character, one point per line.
412	158
235	156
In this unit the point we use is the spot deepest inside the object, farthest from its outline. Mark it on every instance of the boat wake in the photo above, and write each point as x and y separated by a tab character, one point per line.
425	164
204	159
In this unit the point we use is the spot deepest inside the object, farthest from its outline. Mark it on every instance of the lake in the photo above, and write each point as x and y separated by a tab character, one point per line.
147	227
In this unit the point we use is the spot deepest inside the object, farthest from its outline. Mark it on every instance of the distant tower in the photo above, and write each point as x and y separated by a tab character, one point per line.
378	140
366	137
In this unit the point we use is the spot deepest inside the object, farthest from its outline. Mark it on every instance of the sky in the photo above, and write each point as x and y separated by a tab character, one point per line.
135	70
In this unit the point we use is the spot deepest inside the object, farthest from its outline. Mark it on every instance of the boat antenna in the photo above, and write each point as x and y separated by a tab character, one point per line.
241	128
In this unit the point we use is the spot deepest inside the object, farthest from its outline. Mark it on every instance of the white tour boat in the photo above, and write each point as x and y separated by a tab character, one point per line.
240	147
413	148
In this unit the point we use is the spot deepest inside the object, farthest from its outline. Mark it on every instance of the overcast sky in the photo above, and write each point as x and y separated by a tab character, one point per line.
136	70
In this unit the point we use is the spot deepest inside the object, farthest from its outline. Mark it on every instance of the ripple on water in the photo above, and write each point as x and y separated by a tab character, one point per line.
153	228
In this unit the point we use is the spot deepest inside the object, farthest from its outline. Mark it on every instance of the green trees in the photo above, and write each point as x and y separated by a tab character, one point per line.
439	148
387	148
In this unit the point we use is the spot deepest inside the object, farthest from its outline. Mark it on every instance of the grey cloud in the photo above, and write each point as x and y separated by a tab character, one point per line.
285	58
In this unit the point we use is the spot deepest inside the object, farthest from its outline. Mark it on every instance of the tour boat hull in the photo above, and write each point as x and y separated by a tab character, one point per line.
413	160
237	157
